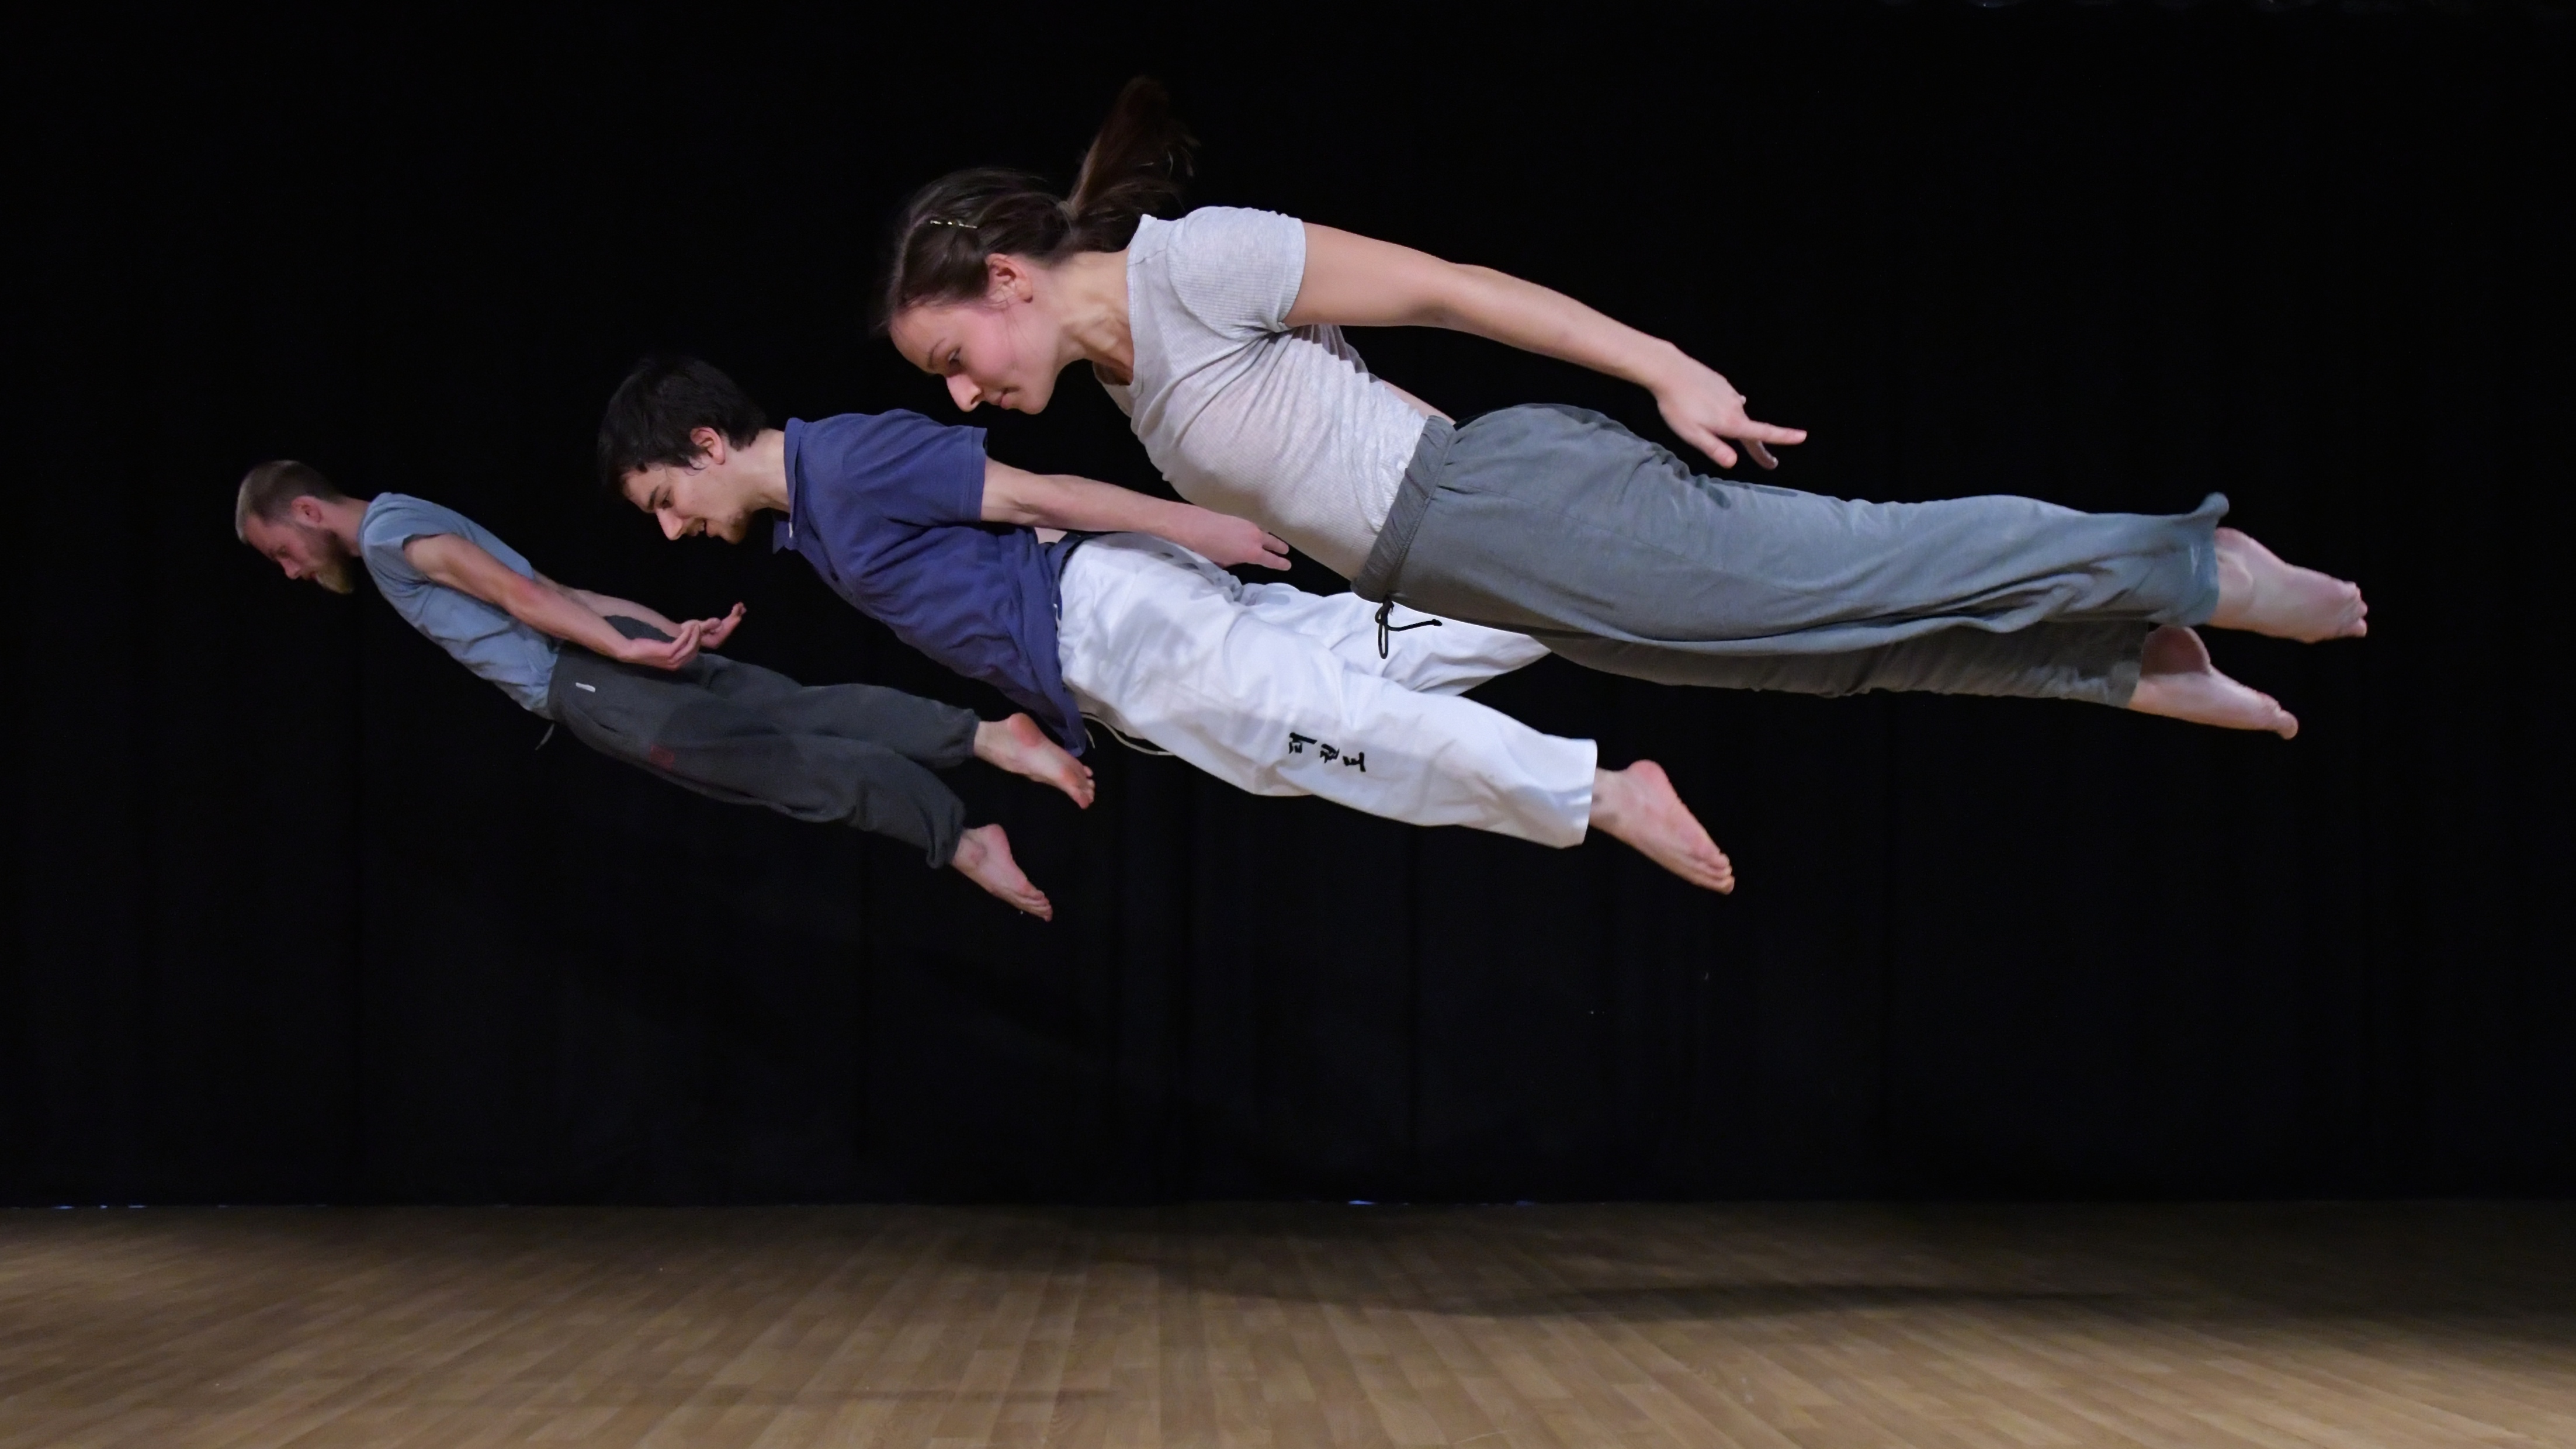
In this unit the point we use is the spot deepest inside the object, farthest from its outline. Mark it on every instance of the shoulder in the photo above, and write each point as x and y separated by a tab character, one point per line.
390	514
1223	234
885	439
1236	272
396	518
898	430
870	476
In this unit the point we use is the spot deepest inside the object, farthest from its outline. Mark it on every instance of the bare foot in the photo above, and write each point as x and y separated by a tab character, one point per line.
1638	805
2176	680
1019	746
984	857
2259	592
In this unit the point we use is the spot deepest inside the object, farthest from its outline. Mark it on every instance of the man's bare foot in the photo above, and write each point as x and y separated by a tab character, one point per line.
984	857
2176	680
1019	746
1638	805
2259	592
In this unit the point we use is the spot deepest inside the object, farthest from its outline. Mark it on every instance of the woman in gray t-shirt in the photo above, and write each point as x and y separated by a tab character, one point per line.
1220	336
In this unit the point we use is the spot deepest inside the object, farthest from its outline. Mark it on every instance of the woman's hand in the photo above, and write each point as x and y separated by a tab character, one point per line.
1706	410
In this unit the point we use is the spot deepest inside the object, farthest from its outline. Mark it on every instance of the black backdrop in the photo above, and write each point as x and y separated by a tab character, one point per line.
299	912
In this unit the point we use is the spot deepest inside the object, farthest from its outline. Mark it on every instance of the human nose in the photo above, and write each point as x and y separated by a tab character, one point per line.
963	391
672	528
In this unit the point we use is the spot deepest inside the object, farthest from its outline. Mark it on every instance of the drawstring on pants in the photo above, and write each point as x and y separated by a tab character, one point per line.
1384	628
1089	720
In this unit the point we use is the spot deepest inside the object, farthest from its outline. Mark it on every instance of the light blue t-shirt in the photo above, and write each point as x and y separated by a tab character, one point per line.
484	639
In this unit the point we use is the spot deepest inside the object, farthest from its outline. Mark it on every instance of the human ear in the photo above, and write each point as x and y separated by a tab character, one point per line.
712	446
1008	279
307	510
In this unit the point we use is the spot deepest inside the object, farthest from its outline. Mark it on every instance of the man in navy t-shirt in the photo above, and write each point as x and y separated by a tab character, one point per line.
1129	617
896	526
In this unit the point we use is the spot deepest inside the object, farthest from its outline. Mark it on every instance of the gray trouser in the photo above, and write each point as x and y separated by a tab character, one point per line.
1560	524
850	754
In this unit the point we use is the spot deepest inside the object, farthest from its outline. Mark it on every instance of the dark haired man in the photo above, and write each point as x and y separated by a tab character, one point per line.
638	687
1130	620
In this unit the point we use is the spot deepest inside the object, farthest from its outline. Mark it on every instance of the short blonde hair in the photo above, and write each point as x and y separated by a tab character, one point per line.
268	488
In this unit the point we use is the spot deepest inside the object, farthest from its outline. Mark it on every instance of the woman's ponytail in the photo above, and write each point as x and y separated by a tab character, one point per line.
1134	168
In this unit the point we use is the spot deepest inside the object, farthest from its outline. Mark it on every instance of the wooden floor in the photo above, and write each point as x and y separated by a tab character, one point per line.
1813	1326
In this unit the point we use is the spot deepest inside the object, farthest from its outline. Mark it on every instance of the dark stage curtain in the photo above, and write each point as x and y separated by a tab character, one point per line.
300	911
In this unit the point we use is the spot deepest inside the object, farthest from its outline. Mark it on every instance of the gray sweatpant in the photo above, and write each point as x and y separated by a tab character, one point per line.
850	754
1558	523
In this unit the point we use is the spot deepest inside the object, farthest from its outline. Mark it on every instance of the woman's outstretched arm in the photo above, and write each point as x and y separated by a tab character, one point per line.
1061	500
1359	282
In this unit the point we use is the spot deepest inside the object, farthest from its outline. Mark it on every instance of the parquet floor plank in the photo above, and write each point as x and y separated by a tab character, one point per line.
2302	1326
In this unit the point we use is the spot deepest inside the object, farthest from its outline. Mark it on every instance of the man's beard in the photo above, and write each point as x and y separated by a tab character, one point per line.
334	567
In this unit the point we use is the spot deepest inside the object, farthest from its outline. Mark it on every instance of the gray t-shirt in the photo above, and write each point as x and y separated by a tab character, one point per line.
1244	414
484	639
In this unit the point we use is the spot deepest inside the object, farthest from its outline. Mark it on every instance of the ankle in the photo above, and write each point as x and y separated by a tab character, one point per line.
2235	593
1609	797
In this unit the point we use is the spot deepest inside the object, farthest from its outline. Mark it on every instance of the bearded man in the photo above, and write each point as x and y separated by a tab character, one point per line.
640	687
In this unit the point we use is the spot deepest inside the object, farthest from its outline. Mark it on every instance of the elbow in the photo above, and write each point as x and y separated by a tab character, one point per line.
1039	507
1463	299
1445	311
1010	503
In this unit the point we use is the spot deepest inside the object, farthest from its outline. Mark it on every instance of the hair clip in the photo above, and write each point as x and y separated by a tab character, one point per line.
943	221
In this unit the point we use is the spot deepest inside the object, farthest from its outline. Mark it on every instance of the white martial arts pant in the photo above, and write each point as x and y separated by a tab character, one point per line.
1281	692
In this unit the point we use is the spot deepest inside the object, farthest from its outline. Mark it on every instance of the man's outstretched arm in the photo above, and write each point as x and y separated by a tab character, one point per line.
549	608
609	606
1060	500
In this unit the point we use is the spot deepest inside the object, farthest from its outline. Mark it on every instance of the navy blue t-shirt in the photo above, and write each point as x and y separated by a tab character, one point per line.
888	508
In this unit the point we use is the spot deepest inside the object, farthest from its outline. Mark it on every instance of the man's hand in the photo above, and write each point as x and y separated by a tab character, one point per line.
714	632
668	653
1707	410
688	642
1225	540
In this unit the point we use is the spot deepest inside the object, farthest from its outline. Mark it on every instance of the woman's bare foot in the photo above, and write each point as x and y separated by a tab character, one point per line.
2176	680
984	857
1019	746
2260	593
1638	805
